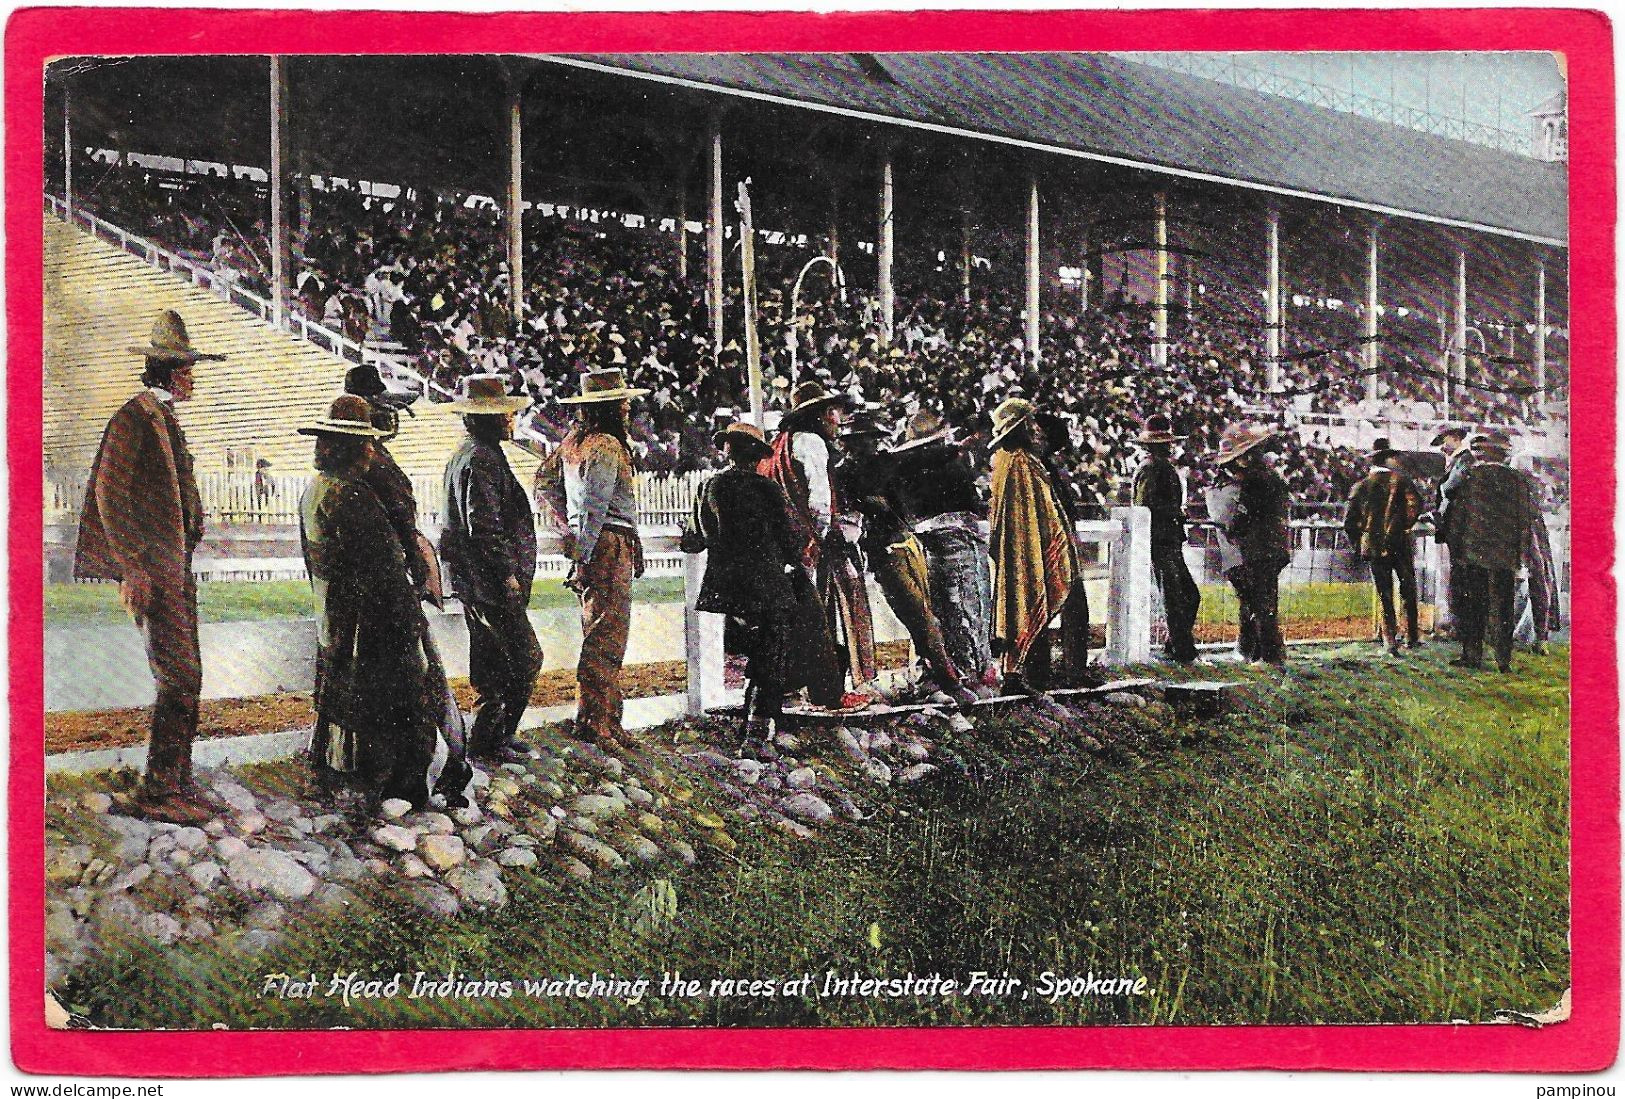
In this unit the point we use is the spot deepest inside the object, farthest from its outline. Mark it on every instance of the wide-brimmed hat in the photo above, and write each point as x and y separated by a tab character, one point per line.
170	342
486	395
865	422
1382	448
365	381
742	434
1239	440
924	427
603	385
1498	441
810	398
1157	429
1447	432
348	415
1008	416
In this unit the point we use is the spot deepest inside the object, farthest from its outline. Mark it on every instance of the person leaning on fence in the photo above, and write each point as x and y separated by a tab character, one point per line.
588	485
894	554
378	696
141	522
936	489
754	576
1452	442
1259	529
1491	512
1158	488
488	545
1035	562
1381	512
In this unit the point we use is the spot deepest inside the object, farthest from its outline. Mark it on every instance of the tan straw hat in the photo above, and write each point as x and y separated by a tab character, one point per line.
810	398
170	342
349	415
1009	416
603	385
486	395
924	427
1239	440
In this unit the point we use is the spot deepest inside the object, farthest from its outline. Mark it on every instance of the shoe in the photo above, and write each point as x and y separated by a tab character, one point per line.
172	807
508	753
1462	662
1016	685
1393	650
1504	669
850	702
1414	643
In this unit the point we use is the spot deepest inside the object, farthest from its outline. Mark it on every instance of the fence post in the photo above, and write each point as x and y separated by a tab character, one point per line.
702	642
1128	623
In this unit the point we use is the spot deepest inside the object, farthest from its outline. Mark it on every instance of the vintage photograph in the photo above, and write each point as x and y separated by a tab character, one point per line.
818	540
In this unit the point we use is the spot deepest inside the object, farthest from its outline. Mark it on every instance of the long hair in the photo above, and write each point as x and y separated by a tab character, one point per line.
598	418
158	373
487	428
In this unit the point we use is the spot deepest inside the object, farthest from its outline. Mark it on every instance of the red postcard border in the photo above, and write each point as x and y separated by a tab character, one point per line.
1588	1041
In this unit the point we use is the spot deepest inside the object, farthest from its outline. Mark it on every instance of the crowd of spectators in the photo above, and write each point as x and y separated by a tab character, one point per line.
427	277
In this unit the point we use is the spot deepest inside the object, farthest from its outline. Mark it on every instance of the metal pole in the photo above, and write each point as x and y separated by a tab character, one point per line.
1540	330
1272	305
833	251
1083	275
1461	315
1372	358
1032	273
1159	287
794	338
713	243
279	221
884	280
67	153
516	209
964	259
682	236
753	351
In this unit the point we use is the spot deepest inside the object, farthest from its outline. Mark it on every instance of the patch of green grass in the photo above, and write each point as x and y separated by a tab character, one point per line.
271	600
1360	841
1317	602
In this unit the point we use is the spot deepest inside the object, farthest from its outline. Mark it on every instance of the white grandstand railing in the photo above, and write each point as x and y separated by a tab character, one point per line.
221	286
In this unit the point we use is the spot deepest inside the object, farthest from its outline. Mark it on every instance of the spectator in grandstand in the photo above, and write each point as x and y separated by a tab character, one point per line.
894	554
1035	563
1259	530
378	696
489	548
1381	512
1157	486
588	484
801	463
1492	510
142	520
936	491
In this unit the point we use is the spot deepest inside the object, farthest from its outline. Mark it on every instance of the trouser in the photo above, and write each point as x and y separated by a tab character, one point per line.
504	659
765	646
1037	667
606	621
1181	598
904	578
1455	585
1384	571
961	596
846	600
170	632
1486	607
1257	585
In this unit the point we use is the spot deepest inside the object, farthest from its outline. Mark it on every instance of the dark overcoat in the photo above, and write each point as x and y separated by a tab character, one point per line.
490	532
1382	510
1491	514
743	518
1259	528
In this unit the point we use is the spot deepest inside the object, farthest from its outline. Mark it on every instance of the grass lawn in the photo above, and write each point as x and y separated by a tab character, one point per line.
1363	841
258	601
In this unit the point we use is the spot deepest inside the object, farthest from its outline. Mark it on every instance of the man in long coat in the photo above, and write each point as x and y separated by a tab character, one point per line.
488	546
378	695
1260	530
1382	510
141	521
1035	565
1458	457
1491	513
1158	488
588	484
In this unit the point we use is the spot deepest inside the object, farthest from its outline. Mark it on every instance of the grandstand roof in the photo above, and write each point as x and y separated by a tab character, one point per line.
1107	109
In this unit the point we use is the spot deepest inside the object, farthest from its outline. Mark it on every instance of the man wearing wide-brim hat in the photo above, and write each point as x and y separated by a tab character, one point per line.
142	520
1159	488
588	485
1454	443
488	545
379	697
1492	512
1259	528
1381	512
802	462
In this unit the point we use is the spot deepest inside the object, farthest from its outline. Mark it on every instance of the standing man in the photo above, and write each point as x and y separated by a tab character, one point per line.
1158	487
489	548
801	463
1259	529
142	519
1382	511
1458	456
1491	512
936	489
1035	564
588	484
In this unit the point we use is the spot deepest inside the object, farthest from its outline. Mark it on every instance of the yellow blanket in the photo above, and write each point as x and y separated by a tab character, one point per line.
1034	563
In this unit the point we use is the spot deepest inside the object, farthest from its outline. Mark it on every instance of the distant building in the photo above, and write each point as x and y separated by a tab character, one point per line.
1551	131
